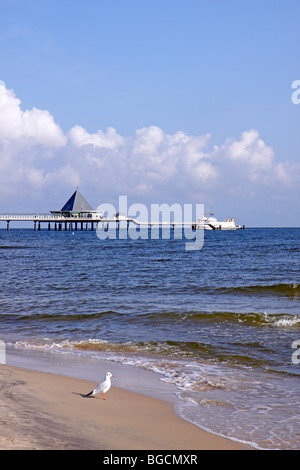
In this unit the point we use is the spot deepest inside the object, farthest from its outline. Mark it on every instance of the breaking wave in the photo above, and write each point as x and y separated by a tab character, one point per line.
292	289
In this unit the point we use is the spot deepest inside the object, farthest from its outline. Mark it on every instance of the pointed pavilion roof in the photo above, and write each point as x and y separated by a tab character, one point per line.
76	203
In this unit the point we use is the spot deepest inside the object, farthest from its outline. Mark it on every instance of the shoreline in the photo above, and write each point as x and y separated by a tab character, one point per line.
46	411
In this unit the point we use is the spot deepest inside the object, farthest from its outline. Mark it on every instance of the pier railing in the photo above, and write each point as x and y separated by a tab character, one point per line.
61	218
61	221
16	216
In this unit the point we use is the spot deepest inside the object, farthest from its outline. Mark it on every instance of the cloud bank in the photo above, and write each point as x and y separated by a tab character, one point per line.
38	158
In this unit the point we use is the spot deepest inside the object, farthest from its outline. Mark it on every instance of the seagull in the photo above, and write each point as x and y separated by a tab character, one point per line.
103	387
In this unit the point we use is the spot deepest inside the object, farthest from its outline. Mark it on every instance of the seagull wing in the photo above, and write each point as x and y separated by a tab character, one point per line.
97	389
100	387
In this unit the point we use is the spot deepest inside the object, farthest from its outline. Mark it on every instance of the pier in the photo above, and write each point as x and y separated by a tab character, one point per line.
77	214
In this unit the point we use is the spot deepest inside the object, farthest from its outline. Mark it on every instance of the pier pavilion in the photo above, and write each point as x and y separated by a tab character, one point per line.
76	206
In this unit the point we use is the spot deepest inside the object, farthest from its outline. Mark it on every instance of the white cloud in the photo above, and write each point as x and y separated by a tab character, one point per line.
40	126
150	162
27	139
109	140
35	125
148	142
287	174
250	153
39	179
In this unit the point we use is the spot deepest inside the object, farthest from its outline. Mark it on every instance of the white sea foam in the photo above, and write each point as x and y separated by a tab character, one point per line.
288	321
281	320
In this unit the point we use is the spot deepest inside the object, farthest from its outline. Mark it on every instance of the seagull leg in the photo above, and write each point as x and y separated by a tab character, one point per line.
103	396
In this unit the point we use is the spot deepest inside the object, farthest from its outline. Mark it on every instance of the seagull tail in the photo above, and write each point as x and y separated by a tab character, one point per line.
89	394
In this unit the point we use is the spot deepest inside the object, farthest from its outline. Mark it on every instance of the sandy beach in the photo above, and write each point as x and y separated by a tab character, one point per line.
45	411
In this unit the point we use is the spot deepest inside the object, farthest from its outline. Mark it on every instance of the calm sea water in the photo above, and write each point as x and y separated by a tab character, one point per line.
218	323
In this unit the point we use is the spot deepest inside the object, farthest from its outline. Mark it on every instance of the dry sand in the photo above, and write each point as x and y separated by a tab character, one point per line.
45	411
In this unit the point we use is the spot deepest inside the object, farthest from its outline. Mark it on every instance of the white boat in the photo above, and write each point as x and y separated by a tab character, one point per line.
211	223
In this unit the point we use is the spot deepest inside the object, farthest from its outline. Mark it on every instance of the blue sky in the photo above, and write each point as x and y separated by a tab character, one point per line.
196	94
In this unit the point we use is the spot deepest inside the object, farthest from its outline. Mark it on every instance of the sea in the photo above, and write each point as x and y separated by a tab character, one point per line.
216	331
